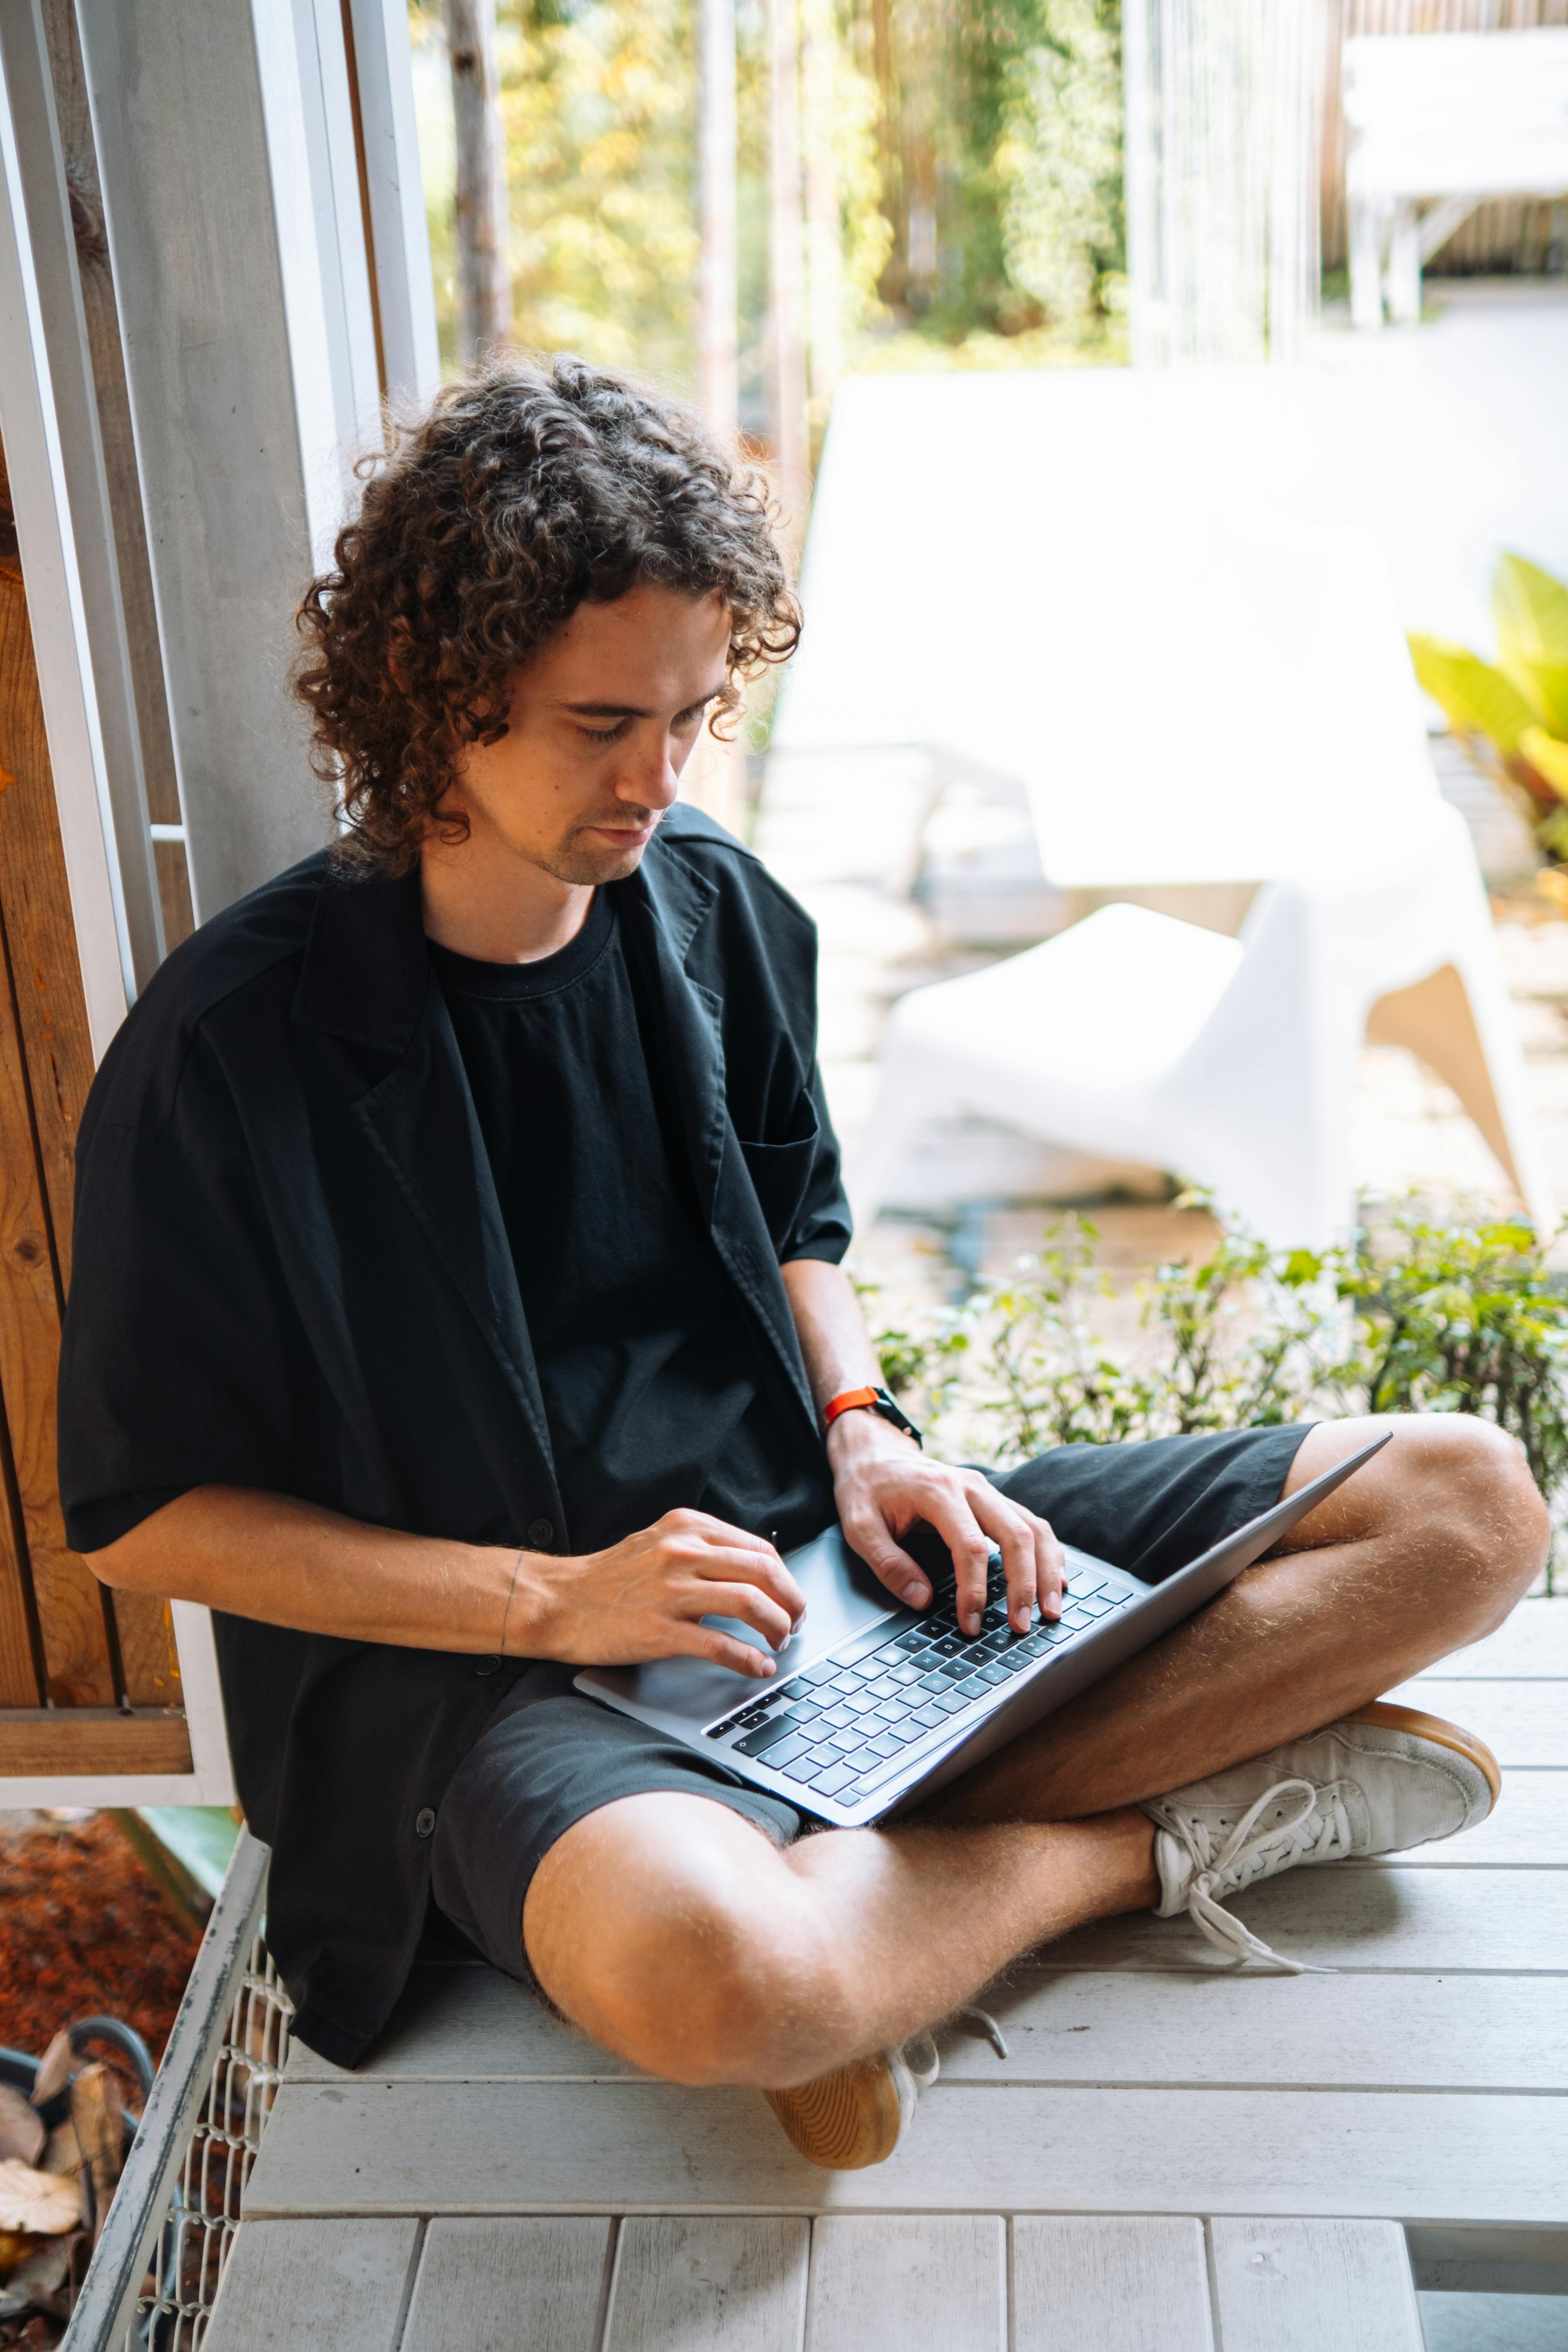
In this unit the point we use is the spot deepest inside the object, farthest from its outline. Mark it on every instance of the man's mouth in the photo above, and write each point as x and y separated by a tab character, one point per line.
624	831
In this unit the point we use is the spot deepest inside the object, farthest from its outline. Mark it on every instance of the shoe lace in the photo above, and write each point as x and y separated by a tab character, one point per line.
1317	1833
929	2066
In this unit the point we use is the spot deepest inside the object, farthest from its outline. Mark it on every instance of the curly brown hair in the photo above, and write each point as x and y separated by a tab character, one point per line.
526	489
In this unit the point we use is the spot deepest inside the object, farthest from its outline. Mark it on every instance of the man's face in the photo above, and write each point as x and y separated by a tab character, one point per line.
603	718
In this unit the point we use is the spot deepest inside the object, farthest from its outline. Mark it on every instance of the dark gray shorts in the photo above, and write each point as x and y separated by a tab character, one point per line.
548	1756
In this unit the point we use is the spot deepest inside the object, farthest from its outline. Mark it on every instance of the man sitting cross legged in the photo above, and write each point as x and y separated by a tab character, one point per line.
457	1301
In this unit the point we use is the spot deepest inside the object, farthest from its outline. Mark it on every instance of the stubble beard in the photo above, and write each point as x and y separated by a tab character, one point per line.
580	861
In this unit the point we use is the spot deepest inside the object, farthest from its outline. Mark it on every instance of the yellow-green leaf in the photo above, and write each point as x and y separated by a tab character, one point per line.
1530	609
1475	698
1547	756
1544	685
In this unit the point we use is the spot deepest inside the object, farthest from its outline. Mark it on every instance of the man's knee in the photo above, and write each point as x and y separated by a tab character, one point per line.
705	1963
1472	1480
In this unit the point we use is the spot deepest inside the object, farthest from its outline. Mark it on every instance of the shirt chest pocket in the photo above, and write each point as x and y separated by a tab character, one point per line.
780	1173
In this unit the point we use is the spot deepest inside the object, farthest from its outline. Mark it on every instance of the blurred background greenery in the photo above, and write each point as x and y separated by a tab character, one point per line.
960	166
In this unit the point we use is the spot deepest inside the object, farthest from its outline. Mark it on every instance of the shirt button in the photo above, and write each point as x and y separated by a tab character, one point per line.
424	1823
487	1666
541	1534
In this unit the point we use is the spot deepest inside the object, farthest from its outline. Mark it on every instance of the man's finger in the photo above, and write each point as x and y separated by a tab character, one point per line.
751	1606
699	1641
724	1563
1030	1553
866	1534
949	1512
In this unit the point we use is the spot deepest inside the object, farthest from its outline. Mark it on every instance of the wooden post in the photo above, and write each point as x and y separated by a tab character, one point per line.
718	290
787	335
484	282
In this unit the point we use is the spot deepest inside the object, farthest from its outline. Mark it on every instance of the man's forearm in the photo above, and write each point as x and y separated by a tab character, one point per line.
832	1330
289	1563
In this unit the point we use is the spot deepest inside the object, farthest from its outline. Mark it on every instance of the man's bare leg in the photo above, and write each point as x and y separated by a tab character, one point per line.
680	1936
1424	1551
672	1931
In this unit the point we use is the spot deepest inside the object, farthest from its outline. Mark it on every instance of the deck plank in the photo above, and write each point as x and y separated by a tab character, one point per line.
1533	1644
469	2024
699	2283
1523	1723
1314	2286
294	2283
925	2285
491	2285
1110	2283
1495	1922
1364	2032
365	2149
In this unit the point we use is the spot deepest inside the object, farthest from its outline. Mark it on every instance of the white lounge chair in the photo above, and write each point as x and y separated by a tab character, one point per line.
1228	1061
1071	584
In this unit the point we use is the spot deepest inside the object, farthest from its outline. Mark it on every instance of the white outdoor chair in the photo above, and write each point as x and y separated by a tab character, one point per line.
1445	119
1075	583
1231	1062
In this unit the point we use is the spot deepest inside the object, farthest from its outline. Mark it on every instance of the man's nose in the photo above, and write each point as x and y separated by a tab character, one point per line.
649	776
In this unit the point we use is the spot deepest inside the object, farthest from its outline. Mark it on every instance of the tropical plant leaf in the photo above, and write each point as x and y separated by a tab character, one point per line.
1547	756
1545	684
1529	612
1475	698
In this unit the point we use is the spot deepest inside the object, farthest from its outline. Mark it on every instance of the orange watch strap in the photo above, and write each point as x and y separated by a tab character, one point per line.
847	1402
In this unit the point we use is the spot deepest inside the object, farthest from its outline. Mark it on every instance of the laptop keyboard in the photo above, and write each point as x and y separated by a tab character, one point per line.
840	1728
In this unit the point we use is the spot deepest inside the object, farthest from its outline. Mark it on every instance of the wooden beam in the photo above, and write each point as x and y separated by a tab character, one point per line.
236	444
72	1742
137	604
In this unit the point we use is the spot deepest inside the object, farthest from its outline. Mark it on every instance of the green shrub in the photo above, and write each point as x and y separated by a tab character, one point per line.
1423	1314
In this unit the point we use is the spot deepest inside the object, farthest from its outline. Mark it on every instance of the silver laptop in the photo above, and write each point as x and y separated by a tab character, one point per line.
873	1705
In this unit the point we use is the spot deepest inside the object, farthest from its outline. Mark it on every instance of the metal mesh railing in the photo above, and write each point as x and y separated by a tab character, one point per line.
156	2269
177	2297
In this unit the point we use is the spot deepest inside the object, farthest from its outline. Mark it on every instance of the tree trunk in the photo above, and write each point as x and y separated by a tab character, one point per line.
484	283
786	331
718	292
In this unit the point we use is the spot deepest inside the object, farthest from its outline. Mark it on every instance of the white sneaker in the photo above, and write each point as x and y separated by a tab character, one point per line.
1383	1779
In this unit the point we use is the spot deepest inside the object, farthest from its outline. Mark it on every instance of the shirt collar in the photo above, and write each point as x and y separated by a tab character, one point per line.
366	972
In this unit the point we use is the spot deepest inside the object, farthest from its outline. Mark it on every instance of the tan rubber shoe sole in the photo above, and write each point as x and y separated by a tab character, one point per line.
1442	1733
845	2120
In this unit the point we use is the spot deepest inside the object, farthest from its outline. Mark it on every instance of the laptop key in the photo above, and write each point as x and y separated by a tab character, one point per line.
756	1743
846	1742
782	1756
827	1784
934	1682
886	1746
992	1674
803	1767
927	1718
951	1702
973	1687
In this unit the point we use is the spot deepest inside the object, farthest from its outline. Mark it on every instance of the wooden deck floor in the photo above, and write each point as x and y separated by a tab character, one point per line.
1231	2145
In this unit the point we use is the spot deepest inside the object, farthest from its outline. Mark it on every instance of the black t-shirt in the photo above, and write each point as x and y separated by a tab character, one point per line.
658	1389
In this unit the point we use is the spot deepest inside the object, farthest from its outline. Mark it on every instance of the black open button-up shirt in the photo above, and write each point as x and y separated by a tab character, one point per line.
293	1272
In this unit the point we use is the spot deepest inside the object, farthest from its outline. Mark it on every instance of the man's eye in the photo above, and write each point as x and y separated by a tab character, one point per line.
605	734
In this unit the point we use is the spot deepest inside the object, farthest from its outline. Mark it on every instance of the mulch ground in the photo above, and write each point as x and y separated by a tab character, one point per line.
84	1931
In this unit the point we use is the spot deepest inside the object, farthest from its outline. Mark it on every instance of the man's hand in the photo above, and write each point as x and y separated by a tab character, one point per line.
884	1486
646	1597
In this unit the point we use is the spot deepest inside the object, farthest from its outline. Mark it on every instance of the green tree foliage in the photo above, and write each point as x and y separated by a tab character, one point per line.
962	192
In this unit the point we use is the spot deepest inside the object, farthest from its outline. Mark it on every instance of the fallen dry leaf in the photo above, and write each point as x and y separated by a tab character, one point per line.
54	2069
21	2127
41	2201
98	2118
15	2247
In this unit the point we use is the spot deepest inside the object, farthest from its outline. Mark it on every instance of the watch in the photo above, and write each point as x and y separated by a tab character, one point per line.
874	1401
